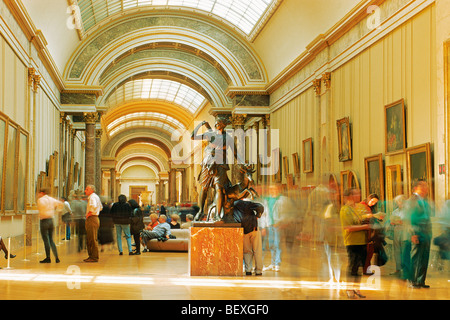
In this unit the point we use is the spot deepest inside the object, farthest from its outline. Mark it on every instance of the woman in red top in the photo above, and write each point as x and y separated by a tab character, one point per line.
367	209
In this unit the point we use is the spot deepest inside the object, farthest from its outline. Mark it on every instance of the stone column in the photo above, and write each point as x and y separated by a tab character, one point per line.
184	186
172	186
98	160
90	118
157	192
112	185
238	122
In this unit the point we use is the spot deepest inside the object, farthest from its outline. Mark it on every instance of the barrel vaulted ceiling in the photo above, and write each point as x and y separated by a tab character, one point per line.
160	62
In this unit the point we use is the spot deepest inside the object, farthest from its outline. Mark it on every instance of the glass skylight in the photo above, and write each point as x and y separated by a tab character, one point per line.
157	89
244	14
153	116
142	123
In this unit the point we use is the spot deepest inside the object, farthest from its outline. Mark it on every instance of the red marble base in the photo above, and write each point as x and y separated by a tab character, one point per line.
216	251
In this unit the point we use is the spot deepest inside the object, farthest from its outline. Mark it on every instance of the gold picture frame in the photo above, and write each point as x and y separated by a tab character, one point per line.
349	179
419	167
285	166
394	184
374	175
395	127
296	163
344	139
307	156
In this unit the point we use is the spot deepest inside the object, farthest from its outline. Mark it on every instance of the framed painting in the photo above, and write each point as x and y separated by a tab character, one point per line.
333	186
275	165
307	156
10	185
296	162
22	171
374	175
418	167
344	184
285	166
344	139
394	184
395	128
2	157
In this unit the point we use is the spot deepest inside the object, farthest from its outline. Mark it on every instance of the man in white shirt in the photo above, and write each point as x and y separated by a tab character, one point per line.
47	206
94	206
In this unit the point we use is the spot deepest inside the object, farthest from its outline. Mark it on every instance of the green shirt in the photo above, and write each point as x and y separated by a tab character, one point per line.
350	217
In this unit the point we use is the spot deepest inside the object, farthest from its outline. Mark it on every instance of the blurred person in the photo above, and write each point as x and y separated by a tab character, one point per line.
78	207
247	213
396	224
47	207
162	230
354	233
66	217
367	209
121	213
443	240
189	221
329	228
419	214
273	203
5	249
105	230
174	224
93	208
136	224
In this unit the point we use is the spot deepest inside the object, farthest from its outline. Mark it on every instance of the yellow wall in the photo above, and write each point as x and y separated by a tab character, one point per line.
400	65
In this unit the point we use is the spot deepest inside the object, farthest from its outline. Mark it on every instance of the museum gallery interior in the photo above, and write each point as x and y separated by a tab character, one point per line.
342	93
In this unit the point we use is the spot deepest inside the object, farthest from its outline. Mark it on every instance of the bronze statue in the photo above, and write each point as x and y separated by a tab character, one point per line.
214	169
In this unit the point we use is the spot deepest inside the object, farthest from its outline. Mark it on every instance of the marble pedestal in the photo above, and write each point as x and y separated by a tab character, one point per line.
216	251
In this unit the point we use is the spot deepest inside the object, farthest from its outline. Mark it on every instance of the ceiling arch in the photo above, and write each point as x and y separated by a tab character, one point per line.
145	89
113	146
162	107
154	155
243	15
138	163
126	32
213	90
132	161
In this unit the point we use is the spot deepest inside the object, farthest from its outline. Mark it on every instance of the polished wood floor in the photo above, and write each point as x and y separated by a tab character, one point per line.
165	275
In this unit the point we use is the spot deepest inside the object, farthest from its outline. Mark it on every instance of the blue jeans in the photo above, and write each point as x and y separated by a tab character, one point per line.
47	229
126	230
274	245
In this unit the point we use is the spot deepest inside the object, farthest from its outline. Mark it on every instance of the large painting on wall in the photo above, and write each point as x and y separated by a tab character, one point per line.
344	139
2	157
418	167
394	184
349	180
374	175
307	156
395	128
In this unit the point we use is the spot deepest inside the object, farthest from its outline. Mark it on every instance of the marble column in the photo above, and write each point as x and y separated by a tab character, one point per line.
238	122
112	185
90	118
157	193
98	160
172	186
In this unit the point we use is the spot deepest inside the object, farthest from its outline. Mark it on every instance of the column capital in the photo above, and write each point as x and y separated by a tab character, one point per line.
238	119
36	82
90	117
98	133
317	84
326	78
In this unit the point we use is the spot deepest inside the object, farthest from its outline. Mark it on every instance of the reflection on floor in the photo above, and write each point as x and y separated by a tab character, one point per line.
304	275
